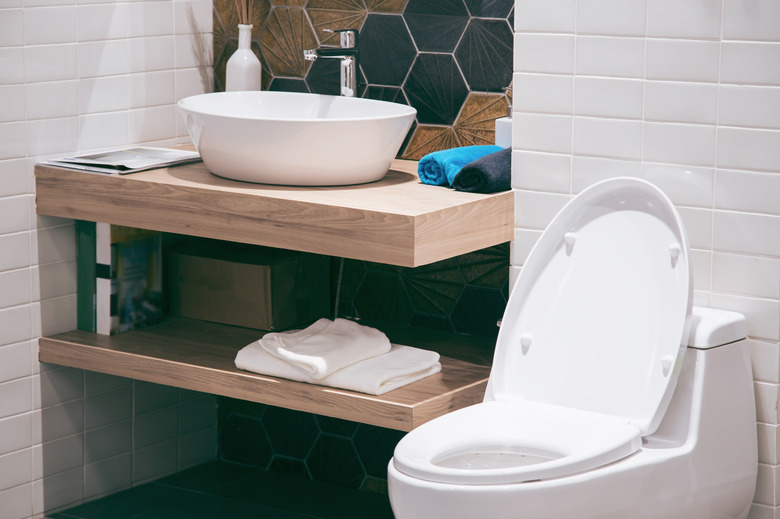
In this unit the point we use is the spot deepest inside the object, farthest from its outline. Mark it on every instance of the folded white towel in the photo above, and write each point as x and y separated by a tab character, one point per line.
326	346
400	366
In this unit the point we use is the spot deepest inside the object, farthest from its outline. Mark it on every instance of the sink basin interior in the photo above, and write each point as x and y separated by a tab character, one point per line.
292	138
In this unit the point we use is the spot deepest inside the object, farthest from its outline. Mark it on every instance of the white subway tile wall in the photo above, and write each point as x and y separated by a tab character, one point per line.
542	132
542	53
589	170
550	16
78	76
687	96
618	17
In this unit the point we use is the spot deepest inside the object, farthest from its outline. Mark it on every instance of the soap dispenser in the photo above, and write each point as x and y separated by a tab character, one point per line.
504	124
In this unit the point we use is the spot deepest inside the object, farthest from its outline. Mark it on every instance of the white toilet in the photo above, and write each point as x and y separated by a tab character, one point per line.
609	396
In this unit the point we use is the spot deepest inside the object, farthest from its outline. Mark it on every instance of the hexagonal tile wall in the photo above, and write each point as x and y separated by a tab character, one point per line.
490	8
435	52
327	14
323	77
376	446
471	288
476	122
242	440
335	460
279	421
429	138
382	297
486	268
337	426
285	34
386	50
478	310
283	84
434	288
484	54
385	6
451	60
436	87
436	25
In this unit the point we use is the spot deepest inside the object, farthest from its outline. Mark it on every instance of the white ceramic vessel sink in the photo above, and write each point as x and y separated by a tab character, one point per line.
298	139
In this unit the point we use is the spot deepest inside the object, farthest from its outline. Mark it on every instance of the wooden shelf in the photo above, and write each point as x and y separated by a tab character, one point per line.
199	356
397	220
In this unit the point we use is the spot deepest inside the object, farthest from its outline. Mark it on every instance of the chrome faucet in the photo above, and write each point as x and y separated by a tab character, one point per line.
347	52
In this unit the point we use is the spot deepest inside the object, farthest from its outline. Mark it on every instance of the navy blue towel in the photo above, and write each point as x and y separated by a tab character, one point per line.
489	174
439	168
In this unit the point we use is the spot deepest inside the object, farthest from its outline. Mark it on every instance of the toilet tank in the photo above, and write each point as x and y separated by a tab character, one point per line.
713	414
715	385
711	327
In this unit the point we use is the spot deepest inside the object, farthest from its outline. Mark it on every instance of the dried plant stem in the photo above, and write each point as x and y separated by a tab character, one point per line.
244	8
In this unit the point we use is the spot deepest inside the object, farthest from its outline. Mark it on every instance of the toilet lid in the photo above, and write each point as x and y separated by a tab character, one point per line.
597	319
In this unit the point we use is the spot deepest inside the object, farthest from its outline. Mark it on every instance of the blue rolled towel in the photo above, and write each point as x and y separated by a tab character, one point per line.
440	167
489	174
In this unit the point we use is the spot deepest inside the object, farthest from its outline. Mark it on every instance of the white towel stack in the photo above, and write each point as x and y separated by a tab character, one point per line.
339	353
326	346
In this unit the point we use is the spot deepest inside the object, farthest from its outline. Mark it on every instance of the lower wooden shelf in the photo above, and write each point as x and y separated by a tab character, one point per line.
197	355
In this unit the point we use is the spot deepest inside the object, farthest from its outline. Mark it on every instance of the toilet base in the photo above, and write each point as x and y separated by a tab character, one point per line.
700	464
582	497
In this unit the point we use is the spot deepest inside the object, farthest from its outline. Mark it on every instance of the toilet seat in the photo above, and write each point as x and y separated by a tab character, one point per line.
589	351
538	441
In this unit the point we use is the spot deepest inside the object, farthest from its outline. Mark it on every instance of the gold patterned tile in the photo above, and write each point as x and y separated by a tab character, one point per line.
386	6
427	139
335	14
226	19
219	15
476	123
283	38
220	62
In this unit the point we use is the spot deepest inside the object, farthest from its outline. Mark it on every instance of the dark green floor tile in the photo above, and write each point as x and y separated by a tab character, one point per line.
207	477
222	491
218	508
360	505
115	506
131	504
304	497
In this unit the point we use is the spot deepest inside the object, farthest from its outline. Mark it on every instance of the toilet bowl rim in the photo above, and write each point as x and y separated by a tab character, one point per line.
582	441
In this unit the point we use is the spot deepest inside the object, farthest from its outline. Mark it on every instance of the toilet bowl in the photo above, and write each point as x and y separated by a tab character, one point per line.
609	396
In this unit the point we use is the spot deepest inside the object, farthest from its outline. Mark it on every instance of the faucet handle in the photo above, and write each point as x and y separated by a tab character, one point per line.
348	38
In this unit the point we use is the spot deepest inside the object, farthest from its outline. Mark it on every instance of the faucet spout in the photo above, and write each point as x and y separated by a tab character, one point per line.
347	52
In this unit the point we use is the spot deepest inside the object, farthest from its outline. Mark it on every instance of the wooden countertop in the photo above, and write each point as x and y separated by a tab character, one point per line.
397	220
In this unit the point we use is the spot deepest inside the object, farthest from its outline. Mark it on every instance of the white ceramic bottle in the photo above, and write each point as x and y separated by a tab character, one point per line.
243	70
504	124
